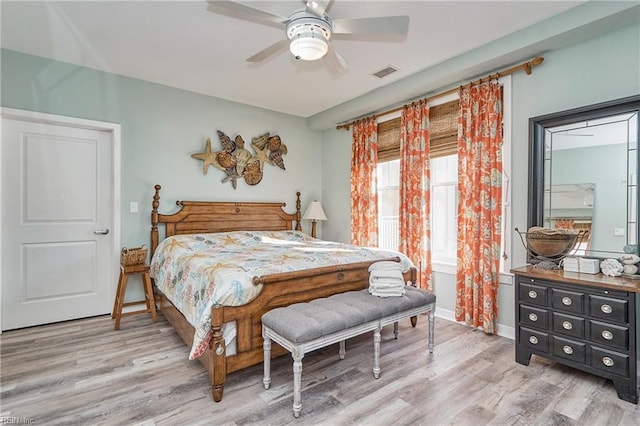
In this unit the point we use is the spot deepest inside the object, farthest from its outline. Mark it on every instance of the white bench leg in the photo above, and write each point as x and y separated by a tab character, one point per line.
266	344
297	355
376	352
342	350
432	320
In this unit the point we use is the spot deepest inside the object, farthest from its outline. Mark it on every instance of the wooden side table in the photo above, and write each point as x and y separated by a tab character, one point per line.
118	304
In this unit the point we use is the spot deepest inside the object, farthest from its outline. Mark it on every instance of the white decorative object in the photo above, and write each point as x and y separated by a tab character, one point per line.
581	264
630	269
629	259
611	267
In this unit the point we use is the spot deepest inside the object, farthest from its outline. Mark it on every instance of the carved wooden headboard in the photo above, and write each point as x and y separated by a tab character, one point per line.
195	217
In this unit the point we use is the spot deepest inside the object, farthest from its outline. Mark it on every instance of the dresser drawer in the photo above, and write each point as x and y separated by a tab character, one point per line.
534	339
531	294
610	361
567	301
568	325
534	317
569	349
608	308
609	334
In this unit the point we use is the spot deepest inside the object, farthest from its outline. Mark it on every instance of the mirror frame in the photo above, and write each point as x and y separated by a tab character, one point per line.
537	127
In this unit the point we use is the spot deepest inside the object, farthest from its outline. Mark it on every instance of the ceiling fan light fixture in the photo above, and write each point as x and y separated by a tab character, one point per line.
309	29
308	35
308	47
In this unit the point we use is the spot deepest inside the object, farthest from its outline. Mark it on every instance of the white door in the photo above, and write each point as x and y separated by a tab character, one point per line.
57	223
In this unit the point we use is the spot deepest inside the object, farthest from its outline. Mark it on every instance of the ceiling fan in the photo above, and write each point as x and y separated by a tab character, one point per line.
309	30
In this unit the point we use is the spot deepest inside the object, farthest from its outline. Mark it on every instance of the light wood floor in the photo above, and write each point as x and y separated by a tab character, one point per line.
84	372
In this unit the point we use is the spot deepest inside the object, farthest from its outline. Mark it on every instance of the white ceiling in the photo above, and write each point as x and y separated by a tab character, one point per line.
181	44
612	130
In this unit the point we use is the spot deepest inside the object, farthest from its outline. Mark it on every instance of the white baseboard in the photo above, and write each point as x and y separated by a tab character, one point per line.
503	330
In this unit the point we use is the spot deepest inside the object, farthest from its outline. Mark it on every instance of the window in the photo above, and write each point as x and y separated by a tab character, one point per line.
443	120
388	204
444	208
444	180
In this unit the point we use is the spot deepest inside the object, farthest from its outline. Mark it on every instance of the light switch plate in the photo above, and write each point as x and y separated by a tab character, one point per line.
133	207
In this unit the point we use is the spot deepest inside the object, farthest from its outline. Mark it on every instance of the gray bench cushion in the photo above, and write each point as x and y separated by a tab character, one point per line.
302	322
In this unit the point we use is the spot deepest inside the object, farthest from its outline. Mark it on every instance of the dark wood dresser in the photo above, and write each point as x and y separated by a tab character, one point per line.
589	322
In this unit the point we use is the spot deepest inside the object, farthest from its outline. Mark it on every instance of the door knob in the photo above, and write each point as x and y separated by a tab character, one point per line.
101	231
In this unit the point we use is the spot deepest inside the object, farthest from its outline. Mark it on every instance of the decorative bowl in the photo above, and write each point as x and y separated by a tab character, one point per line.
551	243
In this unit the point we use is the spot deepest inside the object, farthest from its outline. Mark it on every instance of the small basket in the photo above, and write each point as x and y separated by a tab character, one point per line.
133	256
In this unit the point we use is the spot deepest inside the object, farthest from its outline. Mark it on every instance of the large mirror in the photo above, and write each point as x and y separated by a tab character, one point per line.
583	166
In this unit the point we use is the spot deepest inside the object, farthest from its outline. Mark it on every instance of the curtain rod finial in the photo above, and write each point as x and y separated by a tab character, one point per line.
532	63
537	61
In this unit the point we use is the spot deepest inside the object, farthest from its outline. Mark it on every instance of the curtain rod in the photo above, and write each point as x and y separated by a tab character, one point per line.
526	67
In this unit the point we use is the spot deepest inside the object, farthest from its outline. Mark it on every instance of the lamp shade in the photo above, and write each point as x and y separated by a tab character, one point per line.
314	212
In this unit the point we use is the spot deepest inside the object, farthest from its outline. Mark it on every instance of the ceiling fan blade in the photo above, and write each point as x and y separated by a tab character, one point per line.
316	7
275	48
392	25
247	13
335	60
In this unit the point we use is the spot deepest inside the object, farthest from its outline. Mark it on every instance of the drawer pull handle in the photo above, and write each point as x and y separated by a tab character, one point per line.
567	325
606	308
533	317
566	301
607	361
533	340
607	335
568	350
533	294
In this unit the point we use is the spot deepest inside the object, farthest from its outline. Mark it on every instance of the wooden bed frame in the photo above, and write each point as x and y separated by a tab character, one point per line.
278	289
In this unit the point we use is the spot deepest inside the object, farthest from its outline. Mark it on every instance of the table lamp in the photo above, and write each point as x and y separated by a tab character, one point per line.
314	213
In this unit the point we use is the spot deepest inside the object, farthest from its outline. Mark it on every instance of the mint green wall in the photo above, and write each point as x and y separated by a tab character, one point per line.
161	127
596	70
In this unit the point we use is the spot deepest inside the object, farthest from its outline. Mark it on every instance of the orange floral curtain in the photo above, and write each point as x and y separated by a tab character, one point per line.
479	205
364	194
565	223
414	223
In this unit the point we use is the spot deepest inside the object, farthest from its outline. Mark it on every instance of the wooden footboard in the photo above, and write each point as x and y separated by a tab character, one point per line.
278	289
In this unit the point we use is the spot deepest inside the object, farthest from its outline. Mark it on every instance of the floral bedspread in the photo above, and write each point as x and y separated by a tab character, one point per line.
198	271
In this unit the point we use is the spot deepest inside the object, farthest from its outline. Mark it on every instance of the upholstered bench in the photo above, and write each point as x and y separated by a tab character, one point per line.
304	327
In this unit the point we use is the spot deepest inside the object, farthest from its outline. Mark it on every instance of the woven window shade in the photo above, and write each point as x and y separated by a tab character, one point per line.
443	122
443	129
389	140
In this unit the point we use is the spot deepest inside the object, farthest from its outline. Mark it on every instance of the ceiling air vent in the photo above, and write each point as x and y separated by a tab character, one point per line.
385	71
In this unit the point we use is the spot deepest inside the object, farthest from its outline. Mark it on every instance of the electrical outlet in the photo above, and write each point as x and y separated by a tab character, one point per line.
618	232
133	207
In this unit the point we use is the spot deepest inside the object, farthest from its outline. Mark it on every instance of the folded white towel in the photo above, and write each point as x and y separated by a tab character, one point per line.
389	290
386	279
385	265
394	292
388	274
386	282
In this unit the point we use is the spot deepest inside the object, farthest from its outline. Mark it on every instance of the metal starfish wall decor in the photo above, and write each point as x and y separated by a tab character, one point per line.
238	162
